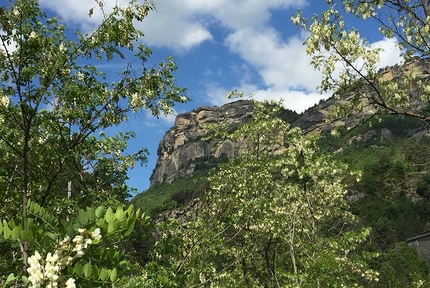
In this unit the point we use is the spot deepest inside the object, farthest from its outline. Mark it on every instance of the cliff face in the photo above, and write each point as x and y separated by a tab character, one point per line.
312	120
181	149
182	146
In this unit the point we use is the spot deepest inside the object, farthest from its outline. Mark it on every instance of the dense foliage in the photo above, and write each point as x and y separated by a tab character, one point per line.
55	105
349	63
394	168
289	211
163	196
273	216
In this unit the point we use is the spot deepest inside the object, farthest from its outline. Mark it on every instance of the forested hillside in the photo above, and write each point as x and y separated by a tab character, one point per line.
391	197
248	194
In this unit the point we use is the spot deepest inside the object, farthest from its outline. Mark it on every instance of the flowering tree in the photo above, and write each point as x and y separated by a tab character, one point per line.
332	46
82	252
53	101
275	216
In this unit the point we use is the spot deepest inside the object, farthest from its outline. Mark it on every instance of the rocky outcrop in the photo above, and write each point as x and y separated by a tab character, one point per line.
182	148
182	145
312	119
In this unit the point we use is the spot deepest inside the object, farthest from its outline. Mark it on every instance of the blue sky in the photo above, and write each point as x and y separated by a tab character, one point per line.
221	45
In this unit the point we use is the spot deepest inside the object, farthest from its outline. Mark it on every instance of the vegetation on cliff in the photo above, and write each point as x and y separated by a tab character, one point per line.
386	199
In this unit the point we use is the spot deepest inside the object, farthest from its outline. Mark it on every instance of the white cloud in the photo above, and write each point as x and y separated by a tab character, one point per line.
162	120
285	68
390	54
177	34
292	99
280	63
181	24
216	95
241	14
77	11
9	46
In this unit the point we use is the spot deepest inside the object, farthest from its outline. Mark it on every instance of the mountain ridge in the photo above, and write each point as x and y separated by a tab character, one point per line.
181	151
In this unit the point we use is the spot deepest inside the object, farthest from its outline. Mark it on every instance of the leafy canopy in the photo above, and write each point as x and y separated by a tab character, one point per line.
275	216
335	47
55	106
54	99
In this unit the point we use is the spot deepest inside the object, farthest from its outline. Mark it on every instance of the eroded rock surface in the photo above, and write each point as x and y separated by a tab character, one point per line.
182	144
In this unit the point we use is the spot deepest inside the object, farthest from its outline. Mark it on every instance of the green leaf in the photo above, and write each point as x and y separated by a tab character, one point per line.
99	211
109	215
119	213
130	210
70	230
10	278
111	228
15	233
24	280
23	235
11	224
91	214
77	269
95	272
34	207
100	222
113	275
87	270
53	236
124	263
6	230
130	228
103	274
83	219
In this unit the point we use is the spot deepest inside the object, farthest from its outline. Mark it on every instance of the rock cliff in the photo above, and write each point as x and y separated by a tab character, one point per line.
312	120
182	150
181	147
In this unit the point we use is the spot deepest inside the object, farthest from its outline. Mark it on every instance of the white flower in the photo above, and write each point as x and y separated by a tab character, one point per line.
4	100
87	242
63	244
32	35
79	247
296	19
81	78
35	258
70	283
62	47
68	260
78	239
35	270
36	277
135	102
52	258
93	39
96	234
65	71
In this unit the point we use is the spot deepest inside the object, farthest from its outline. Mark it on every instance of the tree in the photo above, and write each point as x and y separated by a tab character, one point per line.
332	46
55	105
82	252
275	216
